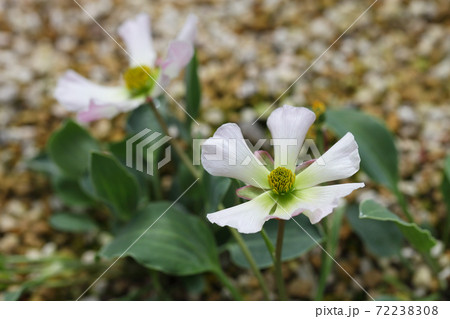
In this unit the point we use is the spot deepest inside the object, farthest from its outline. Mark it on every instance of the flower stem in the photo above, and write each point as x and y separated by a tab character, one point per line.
278	271
269	244
332	240
178	149
227	283
251	261
404	206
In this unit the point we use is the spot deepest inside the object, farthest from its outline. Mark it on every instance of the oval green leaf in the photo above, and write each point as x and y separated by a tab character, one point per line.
71	192
380	238
70	147
165	238
421	239
114	185
68	222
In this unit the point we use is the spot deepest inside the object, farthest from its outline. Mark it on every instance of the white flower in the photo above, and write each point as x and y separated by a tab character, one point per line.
274	188
92	101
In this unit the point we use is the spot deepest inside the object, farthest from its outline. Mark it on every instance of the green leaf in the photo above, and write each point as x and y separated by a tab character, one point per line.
118	149
114	184
42	163
13	295
375	142
445	189
193	88
71	192
168	239
215	187
296	242
380	238
447	167
421	239
68	222
143	118
445	186
70	147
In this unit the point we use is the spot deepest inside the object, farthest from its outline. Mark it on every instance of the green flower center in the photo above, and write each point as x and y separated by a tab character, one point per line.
281	180
138	79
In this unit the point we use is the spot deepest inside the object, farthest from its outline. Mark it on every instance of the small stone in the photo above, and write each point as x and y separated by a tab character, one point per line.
422	277
9	243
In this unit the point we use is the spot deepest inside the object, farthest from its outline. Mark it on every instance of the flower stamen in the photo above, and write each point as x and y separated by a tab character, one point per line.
281	180
139	80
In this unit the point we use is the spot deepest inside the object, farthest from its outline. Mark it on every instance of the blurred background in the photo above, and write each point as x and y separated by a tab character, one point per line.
394	63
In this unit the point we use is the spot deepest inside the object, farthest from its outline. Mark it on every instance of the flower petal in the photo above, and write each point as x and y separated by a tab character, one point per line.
189	30
249	192
319	201
303	165
136	34
340	161
90	100
265	158
179	54
288	126
98	110
248	217
227	154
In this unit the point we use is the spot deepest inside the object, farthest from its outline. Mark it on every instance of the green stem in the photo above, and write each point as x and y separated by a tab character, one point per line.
178	149
269	244
278	271
325	266
332	235
404	205
434	266
251	261
227	283
157	285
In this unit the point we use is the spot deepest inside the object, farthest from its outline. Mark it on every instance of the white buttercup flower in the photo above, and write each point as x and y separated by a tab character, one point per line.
279	188
92	101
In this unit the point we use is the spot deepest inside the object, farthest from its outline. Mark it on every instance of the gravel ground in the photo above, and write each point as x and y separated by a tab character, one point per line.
394	63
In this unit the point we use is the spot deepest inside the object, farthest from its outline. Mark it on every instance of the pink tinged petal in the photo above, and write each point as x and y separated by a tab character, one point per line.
180	51
340	161
189	31
226	154
76	93
289	126
248	217
136	34
249	192
265	158
178	56
303	165
98	110
319	201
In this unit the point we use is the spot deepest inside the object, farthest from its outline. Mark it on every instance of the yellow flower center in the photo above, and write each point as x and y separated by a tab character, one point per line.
318	108
281	180
139	80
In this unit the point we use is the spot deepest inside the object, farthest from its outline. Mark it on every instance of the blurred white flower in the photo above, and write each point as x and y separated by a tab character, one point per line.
92	101
279	189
